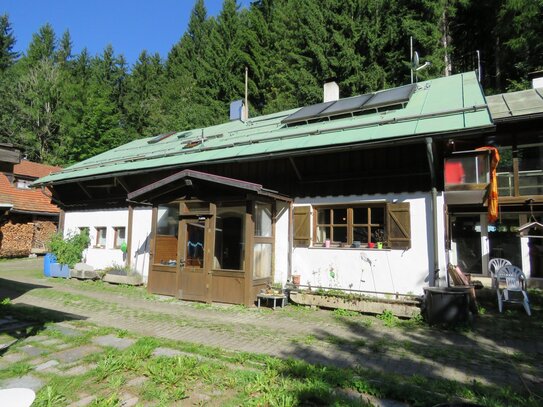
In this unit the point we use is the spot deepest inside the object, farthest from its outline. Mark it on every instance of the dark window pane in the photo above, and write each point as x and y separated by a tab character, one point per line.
340	234
323	216
360	234
377	235
195	245
378	216
340	216
360	216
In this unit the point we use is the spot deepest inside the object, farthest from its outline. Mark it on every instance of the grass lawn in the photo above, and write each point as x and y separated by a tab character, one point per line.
72	363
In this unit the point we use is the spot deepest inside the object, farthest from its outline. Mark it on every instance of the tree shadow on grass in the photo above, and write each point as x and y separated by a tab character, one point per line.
493	362
20	321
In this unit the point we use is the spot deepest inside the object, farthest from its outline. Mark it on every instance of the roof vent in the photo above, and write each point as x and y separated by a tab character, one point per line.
237	112
331	92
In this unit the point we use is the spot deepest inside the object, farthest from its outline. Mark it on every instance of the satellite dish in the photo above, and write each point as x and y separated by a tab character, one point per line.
416	59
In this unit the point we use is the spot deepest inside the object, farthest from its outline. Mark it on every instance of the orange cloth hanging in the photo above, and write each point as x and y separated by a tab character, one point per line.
493	191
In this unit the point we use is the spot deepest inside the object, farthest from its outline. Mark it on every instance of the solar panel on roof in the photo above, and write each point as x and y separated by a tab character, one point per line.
307	112
390	97
346	105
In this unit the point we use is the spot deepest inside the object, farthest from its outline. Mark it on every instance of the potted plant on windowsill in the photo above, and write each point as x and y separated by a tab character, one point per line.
67	251
378	236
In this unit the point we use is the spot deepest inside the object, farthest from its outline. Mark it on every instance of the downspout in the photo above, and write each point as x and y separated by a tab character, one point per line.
430	154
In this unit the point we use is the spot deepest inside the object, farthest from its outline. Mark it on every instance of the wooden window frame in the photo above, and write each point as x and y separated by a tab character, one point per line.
116	236
350	225
97	245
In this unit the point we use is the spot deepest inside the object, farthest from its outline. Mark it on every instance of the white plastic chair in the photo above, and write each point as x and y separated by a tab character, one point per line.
515	282
493	266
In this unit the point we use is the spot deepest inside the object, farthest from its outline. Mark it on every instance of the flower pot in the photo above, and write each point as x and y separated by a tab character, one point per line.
379	245
59	270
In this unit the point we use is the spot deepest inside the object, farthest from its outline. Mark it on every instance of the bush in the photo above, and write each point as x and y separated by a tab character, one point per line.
69	251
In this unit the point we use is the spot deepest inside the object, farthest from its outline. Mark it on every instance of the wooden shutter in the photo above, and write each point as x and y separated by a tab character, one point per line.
302	225
398	225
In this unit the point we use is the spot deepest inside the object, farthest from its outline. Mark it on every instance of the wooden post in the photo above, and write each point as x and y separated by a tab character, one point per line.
61	221
249	249
209	252
154	218
129	230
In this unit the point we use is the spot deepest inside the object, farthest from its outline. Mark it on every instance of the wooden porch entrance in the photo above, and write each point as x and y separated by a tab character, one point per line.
213	242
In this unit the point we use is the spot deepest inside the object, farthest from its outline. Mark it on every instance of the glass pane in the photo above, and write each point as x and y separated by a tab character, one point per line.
120	236
466	236
101	237
340	234
360	216
323	233
467	169
340	216
323	216
263	222
195	245
377	235
502	239
262	261
197	206
229	238
377	216
360	234
168	220
530	173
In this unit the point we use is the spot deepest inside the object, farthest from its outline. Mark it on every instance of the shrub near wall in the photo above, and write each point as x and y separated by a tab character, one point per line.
69	251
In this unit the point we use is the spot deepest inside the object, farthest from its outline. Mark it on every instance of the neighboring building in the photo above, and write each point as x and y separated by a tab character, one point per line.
518	117
347	194
28	218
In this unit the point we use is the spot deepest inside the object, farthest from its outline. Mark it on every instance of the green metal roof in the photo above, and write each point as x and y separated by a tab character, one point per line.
515	105
448	104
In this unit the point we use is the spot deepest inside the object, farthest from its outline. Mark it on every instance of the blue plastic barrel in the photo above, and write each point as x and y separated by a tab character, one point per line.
47	260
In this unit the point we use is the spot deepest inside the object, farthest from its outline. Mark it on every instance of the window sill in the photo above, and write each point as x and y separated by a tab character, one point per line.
373	249
98	247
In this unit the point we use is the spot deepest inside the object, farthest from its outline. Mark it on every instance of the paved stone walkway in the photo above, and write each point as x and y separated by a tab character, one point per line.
311	335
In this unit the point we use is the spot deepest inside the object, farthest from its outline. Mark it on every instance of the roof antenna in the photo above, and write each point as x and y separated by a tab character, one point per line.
246	107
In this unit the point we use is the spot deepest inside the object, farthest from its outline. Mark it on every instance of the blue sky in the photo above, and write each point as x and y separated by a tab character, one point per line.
129	25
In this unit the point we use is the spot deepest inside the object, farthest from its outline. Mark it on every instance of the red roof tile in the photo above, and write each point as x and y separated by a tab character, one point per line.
35	170
28	200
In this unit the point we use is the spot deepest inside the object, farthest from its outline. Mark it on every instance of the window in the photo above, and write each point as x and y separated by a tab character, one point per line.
120	236
519	170
101	234
346	226
354	225
230	238
23	183
471	167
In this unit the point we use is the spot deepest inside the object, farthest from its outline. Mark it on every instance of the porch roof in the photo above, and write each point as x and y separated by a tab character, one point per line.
443	105
143	193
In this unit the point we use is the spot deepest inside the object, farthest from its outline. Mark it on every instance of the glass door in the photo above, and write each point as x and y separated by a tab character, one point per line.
466	242
503	240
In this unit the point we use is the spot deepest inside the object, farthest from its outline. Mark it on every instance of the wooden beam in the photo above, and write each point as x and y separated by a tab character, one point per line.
154	218
85	191
129	230
121	182
298	174
248	255
209	252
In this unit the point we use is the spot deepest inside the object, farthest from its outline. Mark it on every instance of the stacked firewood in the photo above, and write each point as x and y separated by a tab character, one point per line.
43	231
18	239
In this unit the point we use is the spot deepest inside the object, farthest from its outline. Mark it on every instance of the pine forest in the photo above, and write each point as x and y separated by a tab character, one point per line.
59	108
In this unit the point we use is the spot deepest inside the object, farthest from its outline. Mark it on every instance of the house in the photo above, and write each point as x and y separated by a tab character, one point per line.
346	194
28	219
473	240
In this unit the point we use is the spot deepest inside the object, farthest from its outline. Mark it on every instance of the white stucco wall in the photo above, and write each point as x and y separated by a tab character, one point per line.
281	243
108	256
382	270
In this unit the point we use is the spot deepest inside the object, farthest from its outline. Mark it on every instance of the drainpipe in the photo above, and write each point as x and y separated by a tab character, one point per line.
290	240
430	154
